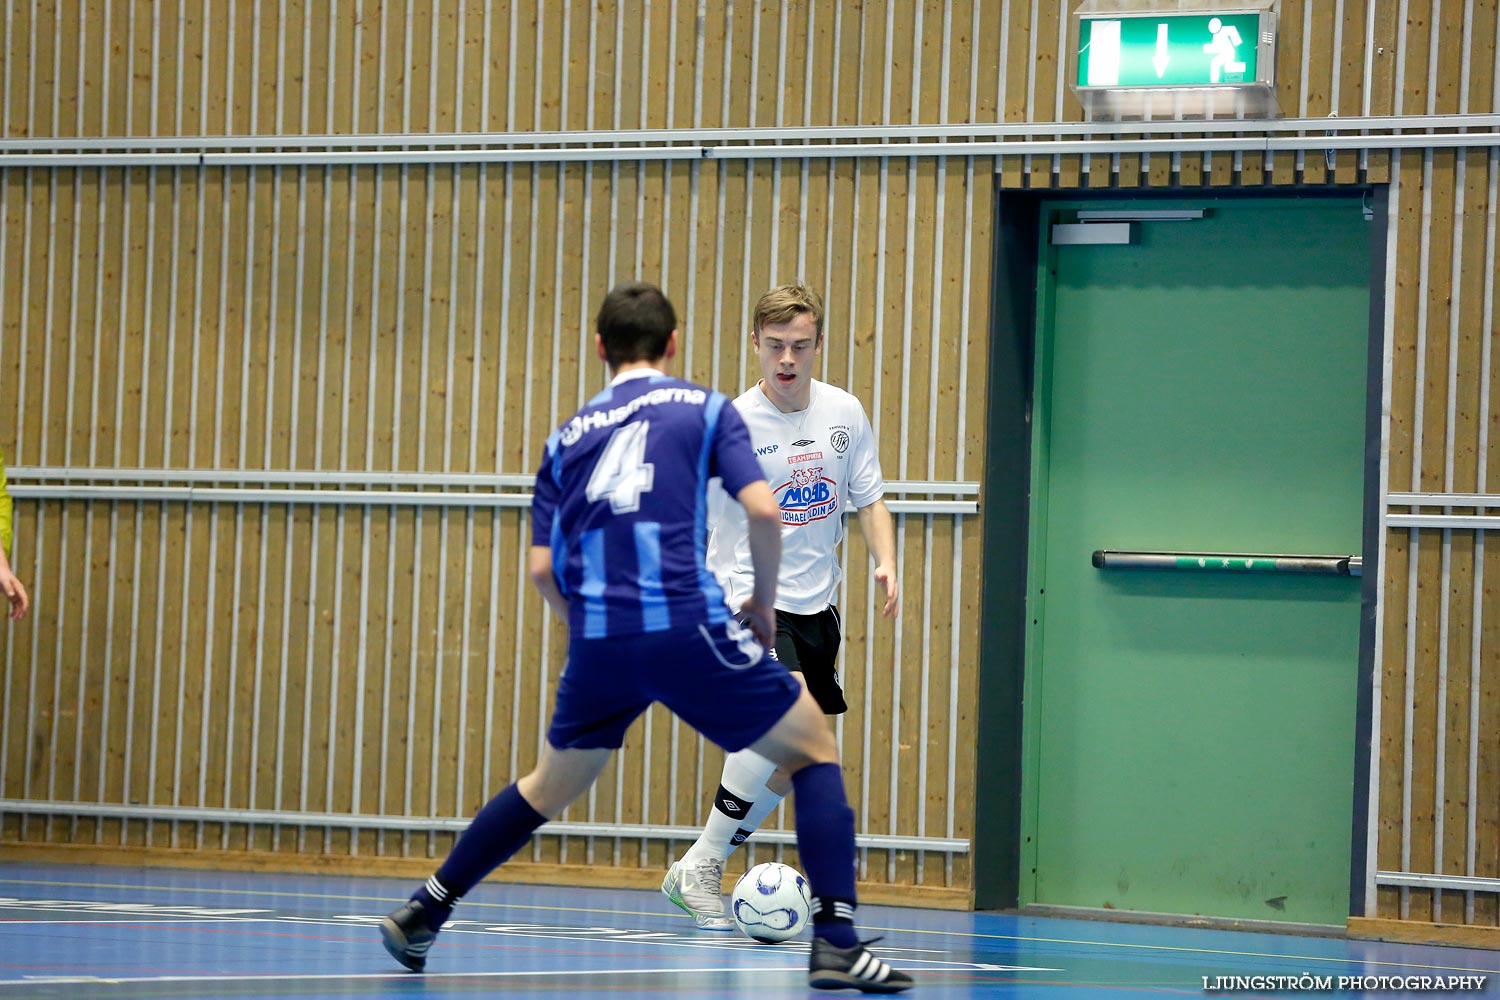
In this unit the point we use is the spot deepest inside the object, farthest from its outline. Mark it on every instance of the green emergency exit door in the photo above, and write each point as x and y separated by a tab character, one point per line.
1189	737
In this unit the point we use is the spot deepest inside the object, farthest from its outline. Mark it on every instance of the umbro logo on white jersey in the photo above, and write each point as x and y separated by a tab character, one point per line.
803	443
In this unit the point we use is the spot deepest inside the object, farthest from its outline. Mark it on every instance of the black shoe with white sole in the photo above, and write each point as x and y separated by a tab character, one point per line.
833	968
407	936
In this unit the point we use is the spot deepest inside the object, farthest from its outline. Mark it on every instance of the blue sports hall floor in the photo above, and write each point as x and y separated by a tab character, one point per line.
87	932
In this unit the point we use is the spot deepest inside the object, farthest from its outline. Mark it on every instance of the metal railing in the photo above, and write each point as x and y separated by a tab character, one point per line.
417	489
436	824
617	145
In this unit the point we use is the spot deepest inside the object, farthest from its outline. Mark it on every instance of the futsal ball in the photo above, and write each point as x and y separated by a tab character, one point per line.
771	903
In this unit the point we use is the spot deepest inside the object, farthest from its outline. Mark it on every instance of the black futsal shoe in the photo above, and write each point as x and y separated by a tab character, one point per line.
832	968
406	935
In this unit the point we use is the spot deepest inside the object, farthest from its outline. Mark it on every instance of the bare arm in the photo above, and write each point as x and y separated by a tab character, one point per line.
14	590
11	587
880	535
763	521
540	566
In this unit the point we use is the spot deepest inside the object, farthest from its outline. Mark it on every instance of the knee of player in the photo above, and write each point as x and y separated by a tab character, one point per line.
819	748
828	747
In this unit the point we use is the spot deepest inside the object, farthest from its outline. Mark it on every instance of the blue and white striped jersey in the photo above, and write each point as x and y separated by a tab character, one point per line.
621	499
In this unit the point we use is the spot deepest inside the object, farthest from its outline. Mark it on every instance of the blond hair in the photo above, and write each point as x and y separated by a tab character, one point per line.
785	303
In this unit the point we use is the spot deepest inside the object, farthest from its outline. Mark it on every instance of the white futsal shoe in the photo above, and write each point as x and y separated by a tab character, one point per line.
698	889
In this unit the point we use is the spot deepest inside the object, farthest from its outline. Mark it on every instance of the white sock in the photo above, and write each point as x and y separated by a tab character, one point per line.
744	778
759	810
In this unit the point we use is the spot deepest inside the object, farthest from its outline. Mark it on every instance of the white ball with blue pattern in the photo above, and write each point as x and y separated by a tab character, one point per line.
771	902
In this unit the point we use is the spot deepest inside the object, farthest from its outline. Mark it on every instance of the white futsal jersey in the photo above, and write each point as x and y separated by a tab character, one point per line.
819	461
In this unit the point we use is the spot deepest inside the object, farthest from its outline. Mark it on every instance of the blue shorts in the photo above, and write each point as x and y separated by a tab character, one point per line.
716	678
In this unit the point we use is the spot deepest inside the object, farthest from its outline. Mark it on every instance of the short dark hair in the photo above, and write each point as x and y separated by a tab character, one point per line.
635	322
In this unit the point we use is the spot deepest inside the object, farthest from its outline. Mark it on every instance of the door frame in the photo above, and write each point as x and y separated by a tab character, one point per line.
1010	472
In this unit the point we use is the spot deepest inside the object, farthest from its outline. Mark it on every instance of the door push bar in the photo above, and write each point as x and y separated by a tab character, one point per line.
1231	562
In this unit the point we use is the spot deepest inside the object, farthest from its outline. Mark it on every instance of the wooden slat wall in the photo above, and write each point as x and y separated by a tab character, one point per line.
258	341
1439	770
1439	702
436	319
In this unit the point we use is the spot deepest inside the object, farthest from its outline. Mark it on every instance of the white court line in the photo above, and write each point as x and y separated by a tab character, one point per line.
429	976
615	935
972	935
382	976
168	920
102	906
589	935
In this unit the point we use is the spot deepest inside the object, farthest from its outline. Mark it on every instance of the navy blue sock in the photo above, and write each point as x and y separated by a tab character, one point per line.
825	843
502	827
437	902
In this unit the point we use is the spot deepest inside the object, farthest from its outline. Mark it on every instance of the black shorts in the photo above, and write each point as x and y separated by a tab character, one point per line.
809	645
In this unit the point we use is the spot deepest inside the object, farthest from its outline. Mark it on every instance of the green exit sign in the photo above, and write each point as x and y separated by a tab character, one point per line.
1145	51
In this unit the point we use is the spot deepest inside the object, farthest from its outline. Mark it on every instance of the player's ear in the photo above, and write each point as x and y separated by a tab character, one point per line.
671	351
599	347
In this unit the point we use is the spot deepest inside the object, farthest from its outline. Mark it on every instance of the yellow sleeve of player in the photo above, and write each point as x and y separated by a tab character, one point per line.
5	508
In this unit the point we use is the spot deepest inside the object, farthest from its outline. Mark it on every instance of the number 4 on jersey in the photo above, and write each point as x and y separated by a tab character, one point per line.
622	473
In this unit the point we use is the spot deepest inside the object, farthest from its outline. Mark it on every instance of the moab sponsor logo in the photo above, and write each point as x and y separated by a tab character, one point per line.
807	497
